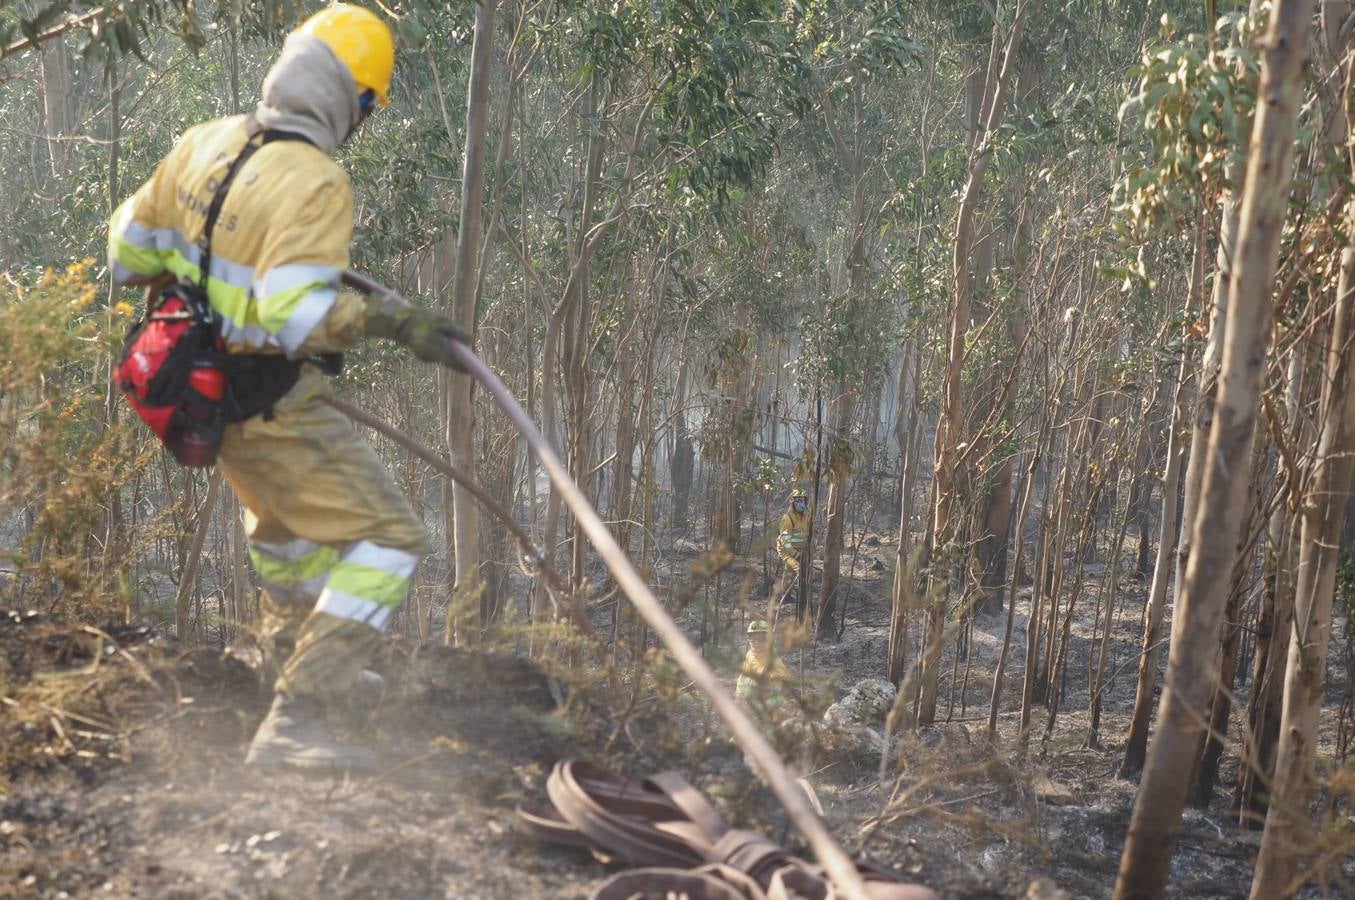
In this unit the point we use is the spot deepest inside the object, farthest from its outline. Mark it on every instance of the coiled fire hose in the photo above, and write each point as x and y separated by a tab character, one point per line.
792	797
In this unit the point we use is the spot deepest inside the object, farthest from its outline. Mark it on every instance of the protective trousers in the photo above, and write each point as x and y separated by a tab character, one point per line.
332	537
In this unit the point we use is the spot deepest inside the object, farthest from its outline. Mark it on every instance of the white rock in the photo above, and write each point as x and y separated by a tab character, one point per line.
867	703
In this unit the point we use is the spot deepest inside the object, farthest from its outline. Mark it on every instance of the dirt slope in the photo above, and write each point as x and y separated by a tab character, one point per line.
135	789
122	778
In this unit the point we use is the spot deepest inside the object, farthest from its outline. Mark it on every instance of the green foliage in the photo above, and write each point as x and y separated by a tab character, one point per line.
1195	101
729	422
61	463
111	30
841	458
844	344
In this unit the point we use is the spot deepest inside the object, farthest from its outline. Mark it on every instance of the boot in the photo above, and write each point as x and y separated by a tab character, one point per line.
295	734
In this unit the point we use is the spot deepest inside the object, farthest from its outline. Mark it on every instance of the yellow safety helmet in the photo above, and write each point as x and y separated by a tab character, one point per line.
758	626
359	38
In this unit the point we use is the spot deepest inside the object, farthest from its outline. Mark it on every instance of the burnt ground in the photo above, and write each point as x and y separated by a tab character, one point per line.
122	771
976	818
126	781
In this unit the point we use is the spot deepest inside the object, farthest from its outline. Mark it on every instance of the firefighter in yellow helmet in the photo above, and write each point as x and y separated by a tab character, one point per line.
792	538
762	665
332	538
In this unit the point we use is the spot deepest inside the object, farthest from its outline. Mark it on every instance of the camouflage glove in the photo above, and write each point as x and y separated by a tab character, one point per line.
427	333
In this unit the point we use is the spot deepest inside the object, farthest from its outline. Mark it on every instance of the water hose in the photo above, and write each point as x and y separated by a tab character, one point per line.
533	560
746	734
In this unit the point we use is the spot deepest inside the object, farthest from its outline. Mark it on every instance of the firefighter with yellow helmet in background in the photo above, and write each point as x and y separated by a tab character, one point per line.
762	663
332	538
792	538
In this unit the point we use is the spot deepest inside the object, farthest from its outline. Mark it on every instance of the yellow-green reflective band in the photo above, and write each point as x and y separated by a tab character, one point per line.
287	572
228	299
257	321
141	260
362	581
294	275
276	309
308	314
355	609
232	302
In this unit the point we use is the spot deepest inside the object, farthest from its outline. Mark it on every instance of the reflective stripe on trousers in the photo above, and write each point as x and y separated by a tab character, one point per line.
367	584
364	583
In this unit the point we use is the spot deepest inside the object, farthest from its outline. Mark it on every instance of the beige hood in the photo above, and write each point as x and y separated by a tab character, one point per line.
310	91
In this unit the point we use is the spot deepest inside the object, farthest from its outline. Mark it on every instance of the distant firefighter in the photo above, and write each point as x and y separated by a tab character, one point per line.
792	538
762	664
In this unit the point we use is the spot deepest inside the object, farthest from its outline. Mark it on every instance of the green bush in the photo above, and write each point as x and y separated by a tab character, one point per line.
65	452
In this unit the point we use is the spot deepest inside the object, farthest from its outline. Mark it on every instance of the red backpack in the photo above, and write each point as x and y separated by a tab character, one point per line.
173	366
172	371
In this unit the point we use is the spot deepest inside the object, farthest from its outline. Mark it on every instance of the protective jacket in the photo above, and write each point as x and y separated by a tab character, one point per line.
755	670
281	241
278	249
793	534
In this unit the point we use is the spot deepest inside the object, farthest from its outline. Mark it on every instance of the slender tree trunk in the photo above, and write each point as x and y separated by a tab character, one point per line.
991	551
242	592
623	473
1284	840
188	580
1098	682
1058	668
1191	675
460	406
112	539
1273	626
1027	489
57	106
1224	265
682	461
1275	620
233	57
844	404
1206	774
1136	745
948	427
904	586
838	473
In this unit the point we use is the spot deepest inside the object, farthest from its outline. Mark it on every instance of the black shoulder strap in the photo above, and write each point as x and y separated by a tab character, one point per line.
266	136
277	134
219	198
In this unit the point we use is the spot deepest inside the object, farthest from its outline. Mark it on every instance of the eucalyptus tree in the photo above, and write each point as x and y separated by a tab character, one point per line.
855	56
1006	44
631	109
1190	674
1181	174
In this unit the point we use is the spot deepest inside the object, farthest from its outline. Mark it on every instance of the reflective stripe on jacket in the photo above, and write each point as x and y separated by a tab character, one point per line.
279	247
794	530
